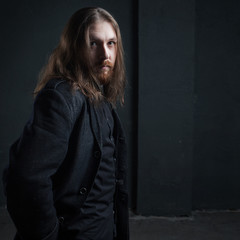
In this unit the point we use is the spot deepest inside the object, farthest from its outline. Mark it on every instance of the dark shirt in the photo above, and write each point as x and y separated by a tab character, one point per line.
97	219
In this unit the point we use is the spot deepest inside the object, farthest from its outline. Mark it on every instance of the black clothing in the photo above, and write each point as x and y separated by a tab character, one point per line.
97	220
54	163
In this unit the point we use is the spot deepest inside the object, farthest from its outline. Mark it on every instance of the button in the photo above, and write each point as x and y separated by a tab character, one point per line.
61	219
83	190
97	154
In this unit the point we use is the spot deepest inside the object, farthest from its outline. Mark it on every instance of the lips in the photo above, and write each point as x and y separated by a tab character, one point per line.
105	67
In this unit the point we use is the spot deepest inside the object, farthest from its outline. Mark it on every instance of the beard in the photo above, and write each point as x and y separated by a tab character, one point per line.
104	72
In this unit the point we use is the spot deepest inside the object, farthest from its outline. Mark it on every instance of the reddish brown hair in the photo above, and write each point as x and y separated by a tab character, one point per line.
69	60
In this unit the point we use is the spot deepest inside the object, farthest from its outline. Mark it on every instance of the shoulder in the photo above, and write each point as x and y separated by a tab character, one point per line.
62	90
63	87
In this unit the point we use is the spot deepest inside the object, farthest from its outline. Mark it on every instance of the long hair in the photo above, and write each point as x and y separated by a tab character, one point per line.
69	60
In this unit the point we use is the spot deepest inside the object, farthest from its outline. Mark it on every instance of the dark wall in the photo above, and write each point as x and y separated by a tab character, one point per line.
29	32
216	183
189	99
166	76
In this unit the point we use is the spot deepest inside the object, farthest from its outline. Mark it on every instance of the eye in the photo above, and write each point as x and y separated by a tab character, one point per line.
93	44
111	43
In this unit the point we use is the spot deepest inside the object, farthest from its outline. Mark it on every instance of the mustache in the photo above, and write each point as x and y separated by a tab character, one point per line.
106	63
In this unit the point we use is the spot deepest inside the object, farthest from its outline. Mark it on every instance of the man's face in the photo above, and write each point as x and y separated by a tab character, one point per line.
103	50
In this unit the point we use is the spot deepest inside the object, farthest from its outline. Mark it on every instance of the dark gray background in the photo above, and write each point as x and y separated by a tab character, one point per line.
182	115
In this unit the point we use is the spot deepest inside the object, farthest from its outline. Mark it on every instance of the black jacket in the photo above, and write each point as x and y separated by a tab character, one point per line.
54	162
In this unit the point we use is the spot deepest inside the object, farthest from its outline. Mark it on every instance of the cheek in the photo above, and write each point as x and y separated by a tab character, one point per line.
92	57
114	55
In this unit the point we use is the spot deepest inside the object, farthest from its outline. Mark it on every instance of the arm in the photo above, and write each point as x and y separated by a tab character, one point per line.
34	158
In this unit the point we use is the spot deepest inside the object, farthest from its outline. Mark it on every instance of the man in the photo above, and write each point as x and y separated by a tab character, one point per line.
67	173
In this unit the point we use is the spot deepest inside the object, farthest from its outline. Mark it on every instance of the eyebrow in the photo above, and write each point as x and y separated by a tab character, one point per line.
113	39
92	38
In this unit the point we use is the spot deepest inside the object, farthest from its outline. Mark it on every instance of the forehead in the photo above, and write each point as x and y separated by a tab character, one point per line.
102	30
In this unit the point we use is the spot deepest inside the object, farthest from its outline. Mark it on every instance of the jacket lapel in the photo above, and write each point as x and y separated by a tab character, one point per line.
95	124
118	130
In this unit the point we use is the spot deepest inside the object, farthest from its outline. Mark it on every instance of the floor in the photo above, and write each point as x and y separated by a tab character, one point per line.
200	226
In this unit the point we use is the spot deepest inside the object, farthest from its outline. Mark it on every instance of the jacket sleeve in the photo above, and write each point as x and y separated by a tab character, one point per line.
34	159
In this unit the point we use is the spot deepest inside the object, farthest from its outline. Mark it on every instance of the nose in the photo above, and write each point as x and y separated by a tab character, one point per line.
104	53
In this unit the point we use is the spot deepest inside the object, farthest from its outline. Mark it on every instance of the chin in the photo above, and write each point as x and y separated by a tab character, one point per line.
104	81
104	78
